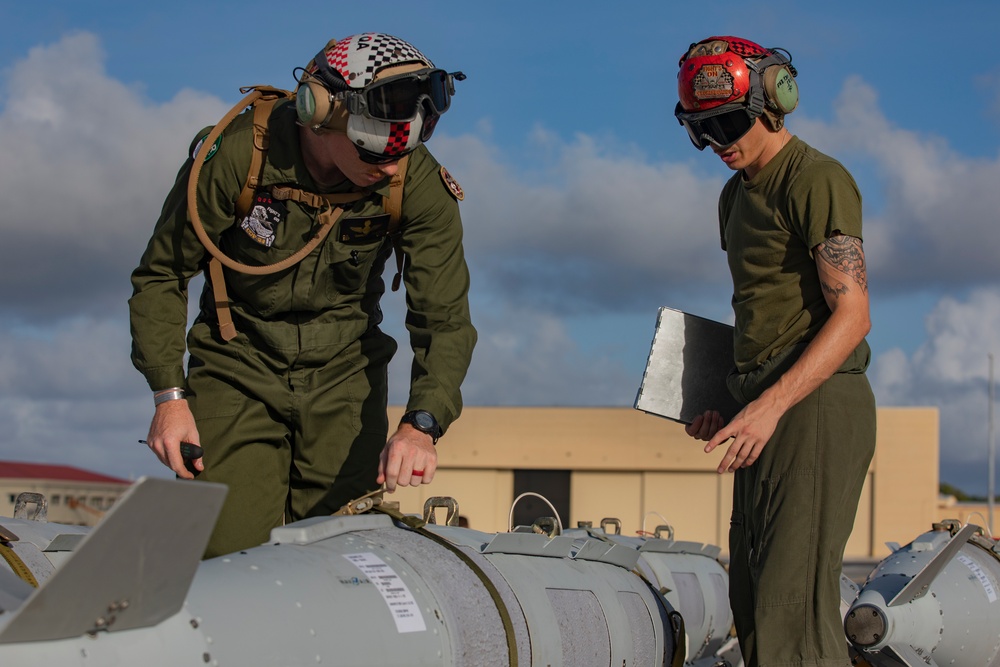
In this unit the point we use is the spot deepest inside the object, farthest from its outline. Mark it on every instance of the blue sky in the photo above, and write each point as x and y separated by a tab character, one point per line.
586	209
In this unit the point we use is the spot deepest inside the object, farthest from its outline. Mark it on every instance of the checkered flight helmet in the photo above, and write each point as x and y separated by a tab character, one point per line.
378	89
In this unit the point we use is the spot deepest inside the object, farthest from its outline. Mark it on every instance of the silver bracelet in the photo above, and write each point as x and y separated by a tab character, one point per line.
171	394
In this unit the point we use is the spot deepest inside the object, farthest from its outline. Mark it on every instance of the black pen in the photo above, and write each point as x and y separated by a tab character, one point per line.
188	450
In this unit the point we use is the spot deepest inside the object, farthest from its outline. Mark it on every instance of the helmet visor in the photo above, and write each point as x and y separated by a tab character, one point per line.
397	98
721	126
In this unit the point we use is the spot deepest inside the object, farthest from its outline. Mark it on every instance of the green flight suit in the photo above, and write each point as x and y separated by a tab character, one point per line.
292	412
794	508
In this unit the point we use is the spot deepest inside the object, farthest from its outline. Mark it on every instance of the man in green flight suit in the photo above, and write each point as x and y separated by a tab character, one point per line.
286	388
790	223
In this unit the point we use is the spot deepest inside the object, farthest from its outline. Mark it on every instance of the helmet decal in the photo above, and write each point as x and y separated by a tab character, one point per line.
713	82
359	58
399	137
385	138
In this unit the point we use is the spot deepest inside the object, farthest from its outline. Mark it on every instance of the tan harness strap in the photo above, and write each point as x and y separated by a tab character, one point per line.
261	142
266	96
226	327
393	205
17	565
313	199
269	95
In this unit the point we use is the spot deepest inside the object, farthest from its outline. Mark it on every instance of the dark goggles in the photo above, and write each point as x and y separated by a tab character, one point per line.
398	98
377	158
720	126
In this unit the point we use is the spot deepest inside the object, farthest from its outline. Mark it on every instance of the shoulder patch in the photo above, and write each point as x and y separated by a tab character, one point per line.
211	151
453	187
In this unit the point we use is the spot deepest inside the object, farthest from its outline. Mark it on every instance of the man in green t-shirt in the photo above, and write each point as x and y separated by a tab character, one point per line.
292	211
790	223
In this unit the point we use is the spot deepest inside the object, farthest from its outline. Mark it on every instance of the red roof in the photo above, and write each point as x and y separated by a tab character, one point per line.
20	470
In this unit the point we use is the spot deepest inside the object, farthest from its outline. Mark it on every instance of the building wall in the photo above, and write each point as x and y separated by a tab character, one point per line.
622	464
79	503
645	471
973	512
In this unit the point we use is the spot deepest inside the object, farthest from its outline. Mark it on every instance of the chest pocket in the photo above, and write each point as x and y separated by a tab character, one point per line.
267	294
355	251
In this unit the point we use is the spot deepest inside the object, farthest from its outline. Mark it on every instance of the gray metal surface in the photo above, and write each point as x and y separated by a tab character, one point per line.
686	370
691	580
935	601
343	590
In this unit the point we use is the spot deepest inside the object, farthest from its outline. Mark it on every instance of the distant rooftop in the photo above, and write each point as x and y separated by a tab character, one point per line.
21	470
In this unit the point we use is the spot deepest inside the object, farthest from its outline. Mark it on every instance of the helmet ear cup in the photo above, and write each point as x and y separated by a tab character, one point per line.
780	89
316	107
316	102
312	102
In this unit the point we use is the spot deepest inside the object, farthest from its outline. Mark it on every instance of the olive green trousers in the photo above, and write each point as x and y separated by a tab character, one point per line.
793	511
291	433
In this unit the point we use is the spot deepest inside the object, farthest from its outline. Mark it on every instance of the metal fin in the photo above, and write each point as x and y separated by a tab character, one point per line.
132	570
918	585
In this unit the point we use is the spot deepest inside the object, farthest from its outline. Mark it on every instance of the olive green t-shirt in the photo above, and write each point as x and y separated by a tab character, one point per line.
770	225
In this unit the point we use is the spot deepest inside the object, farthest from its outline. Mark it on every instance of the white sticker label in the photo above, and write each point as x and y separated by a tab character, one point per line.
397	596
991	592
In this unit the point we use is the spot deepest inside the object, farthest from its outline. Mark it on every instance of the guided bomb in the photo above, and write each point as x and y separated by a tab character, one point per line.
931	603
372	588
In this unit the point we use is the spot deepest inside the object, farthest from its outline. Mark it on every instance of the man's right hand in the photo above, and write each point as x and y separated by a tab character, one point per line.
172	424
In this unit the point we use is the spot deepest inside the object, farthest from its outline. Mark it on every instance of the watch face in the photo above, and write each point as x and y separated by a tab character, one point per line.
423	419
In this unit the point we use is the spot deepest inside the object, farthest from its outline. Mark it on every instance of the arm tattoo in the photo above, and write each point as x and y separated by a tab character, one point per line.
844	254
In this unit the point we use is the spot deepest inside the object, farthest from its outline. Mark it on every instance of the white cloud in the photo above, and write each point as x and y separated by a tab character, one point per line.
586	225
575	227
950	371
87	163
937	224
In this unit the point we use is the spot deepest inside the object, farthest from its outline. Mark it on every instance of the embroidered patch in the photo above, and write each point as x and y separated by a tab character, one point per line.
713	82
453	187
266	214
364	230
211	151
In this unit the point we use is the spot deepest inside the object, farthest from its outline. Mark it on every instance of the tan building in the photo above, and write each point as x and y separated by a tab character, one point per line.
592	464
72	495
597	463
968	512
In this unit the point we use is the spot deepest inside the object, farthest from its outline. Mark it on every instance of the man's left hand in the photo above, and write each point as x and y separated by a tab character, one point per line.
408	459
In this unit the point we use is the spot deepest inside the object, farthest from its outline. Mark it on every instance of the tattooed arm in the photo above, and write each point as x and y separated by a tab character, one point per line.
840	262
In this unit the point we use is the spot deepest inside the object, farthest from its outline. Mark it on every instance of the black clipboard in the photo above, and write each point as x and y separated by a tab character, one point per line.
686	371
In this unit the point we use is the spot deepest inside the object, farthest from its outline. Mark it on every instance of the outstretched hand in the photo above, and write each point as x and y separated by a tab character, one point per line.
408	459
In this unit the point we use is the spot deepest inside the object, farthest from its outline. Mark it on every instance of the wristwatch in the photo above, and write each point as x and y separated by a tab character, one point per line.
424	422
